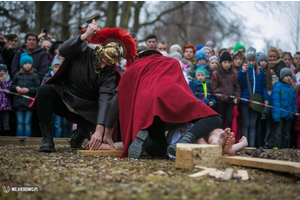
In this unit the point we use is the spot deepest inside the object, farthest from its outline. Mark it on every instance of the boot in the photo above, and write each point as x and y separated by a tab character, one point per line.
77	139
187	138
47	142
138	146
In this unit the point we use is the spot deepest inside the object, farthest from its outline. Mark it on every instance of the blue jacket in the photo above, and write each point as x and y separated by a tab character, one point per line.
283	96
197	88
259	83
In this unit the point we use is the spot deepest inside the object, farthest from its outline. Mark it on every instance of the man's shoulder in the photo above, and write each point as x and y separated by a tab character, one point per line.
39	51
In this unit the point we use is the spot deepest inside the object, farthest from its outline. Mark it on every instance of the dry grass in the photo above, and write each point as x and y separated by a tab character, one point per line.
65	175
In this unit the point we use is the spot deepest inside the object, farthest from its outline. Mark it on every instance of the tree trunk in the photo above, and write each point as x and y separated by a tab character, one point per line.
126	13
65	27
111	14
136	20
43	15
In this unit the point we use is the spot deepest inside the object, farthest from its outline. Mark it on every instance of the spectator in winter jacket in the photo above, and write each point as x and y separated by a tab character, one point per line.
5	103
26	82
224	82
200	58
39	55
257	81
201	88
283	96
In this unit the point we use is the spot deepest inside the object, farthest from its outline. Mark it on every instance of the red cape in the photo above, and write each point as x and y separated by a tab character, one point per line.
155	86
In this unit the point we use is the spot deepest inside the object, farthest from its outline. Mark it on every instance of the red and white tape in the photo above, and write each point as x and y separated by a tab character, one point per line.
21	95
256	102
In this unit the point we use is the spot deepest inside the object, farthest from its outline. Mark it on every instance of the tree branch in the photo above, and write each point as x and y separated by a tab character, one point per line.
163	13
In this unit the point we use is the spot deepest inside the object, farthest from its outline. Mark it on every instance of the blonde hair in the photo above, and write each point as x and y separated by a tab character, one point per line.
274	49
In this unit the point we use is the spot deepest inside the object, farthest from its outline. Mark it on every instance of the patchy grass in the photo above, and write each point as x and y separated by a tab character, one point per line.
65	175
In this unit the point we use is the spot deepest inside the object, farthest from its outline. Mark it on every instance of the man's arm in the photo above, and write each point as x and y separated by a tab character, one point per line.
72	45
106	91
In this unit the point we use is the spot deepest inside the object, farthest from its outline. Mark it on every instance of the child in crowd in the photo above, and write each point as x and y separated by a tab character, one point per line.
5	103
209	53
264	122
238	59
224	82
257	81
283	96
26	82
240	48
287	59
201	88
200	58
222	51
213	64
211	45
296	59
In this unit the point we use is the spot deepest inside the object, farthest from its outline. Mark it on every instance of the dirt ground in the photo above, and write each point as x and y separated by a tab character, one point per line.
65	175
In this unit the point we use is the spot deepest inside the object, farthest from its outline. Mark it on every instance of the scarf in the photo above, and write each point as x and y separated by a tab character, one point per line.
193	60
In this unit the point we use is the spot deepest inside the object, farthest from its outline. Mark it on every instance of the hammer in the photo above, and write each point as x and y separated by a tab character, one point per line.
92	19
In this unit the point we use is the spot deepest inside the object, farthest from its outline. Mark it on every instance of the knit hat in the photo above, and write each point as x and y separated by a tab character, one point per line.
199	47
3	67
261	57
201	70
207	48
212	58
238	46
210	43
251	54
175	54
25	58
200	54
55	62
225	56
257	54
175	46
285	72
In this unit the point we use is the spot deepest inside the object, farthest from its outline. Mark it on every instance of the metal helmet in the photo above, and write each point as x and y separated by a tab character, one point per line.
112	53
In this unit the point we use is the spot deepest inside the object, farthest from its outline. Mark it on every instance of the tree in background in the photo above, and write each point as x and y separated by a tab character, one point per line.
174	22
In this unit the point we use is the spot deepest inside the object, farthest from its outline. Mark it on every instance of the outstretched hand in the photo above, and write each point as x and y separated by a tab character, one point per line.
96	138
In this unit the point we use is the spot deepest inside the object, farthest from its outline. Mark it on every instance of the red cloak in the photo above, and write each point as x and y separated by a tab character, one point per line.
155	86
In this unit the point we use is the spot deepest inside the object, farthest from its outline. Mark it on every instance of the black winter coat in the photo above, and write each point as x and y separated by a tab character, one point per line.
29	81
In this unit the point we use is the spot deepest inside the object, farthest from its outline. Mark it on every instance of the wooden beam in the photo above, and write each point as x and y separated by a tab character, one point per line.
261	163
101	152
24	141
189	155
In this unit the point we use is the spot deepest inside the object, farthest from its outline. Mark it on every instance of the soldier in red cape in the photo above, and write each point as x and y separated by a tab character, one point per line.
153	94
82	89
